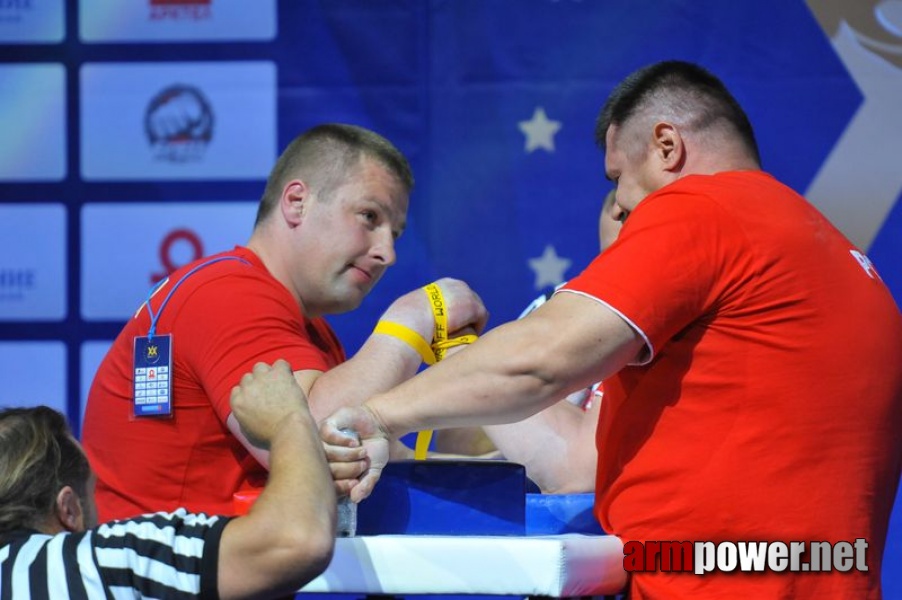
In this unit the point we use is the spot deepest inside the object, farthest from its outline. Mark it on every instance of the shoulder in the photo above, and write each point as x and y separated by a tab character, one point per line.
129	550
233	278
233	265
161	526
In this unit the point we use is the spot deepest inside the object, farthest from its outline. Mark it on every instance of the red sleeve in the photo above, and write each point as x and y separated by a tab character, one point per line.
672	263
232	322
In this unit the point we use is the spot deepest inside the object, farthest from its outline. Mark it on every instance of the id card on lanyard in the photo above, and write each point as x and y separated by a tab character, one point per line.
152	365
153	387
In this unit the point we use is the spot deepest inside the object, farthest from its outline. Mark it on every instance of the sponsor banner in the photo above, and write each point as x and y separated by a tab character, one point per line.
32	262
92	353
756	556
180	121
32	21
176	20
33	373
127	248
33	122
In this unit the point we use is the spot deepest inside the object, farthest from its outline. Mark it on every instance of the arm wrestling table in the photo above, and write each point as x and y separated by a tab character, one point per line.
557	566
470	528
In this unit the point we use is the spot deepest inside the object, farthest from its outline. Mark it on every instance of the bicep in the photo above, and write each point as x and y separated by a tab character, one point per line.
585	339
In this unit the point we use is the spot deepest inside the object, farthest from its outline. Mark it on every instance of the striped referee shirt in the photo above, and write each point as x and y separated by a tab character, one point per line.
163	555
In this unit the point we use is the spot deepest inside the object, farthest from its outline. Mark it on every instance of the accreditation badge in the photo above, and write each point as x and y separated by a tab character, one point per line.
153	386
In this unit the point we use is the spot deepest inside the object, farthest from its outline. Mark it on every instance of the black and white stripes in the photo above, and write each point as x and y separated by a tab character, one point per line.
164	555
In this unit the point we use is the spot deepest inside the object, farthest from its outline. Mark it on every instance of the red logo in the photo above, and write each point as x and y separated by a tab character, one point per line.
172	238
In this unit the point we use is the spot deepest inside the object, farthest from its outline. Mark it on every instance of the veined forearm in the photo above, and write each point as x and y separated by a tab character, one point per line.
485	383
515	370
299	488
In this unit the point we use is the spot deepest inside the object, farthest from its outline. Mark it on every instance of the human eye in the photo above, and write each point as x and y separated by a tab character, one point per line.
371	217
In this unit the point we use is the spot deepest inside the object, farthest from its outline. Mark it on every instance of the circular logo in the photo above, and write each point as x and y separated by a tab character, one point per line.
179	123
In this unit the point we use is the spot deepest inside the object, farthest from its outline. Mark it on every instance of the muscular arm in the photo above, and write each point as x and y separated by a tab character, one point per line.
515	370
287	538
511	373
383	361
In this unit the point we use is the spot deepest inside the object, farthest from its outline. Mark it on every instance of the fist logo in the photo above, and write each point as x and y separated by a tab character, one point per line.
179	124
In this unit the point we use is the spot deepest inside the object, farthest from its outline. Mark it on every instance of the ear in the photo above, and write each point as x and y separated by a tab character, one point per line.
69	512
294	201
668	146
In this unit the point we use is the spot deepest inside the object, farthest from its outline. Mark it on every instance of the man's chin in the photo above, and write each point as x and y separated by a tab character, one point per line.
348	301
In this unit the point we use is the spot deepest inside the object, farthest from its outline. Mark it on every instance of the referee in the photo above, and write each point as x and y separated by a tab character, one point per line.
51	546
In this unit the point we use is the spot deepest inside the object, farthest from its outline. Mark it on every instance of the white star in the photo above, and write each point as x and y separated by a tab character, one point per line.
539	131
549	268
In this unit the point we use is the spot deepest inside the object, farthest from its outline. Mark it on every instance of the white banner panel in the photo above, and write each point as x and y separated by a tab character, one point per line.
33	373
32	262
33	122
176	20
181	121
126	248
92	354
32	21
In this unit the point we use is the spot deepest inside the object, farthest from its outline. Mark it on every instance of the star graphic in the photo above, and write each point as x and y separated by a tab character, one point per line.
539	131
549	268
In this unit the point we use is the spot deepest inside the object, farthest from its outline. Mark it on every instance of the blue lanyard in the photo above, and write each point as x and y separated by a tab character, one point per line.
153	290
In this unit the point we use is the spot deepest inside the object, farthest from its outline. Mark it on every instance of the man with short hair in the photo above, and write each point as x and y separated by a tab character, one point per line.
52	547
750	357
333	207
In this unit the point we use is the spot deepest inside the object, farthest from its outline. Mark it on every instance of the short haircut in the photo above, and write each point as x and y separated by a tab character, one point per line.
324	157
681	92
38	456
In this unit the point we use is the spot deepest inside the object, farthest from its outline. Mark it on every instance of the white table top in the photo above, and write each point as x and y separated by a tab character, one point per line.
556	566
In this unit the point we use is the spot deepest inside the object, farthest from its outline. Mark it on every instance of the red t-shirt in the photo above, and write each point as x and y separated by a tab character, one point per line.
771	408
223	319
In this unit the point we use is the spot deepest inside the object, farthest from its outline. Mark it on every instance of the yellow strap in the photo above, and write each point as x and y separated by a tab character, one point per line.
454	342
437	301
421	447
440	344
439	334
408	335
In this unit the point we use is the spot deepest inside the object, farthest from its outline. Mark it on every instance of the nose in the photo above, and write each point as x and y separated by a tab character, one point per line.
383	249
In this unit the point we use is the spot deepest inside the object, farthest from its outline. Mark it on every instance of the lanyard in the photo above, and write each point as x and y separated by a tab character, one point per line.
155	316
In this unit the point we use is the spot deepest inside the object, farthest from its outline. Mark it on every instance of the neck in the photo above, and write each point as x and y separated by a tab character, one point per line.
710	163
713	153
261	244
51	525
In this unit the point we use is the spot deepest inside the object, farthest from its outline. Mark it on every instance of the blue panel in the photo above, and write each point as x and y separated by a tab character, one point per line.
438	497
